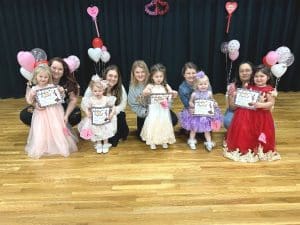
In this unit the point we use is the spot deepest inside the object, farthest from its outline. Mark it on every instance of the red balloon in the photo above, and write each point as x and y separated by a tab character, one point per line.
264	60
97	42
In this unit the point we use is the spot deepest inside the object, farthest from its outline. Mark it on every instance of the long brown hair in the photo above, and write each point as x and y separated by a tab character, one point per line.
117	89
68	80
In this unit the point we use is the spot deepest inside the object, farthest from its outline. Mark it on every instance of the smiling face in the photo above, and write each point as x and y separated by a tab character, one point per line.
42	78
245	72
57	71
260	79
112	77
139	74
202	84
189	75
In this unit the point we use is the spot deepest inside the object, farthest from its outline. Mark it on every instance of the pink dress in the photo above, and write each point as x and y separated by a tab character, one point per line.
48	134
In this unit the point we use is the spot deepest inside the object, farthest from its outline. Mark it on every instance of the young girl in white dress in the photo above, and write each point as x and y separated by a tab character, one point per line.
48	134
98	133
158	128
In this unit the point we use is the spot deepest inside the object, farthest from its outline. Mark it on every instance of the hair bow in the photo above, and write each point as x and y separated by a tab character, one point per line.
200	74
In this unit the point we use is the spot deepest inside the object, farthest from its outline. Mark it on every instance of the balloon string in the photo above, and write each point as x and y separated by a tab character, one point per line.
229	73
277	82
226	66
228	23
95	68
96	25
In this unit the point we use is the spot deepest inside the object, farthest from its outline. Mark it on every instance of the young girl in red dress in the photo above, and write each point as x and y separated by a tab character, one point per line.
251	135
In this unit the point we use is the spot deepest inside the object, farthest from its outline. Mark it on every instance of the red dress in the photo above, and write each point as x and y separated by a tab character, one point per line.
251	135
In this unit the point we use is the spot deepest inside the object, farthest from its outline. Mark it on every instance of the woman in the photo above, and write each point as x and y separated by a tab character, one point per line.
138	80
242	78
61	76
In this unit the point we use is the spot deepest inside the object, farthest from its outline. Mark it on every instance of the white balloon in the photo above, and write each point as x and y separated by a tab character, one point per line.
279	69
95	54
26	74
233	45
105	56
290	60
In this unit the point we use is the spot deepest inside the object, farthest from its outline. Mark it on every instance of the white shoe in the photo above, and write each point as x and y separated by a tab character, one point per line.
165	145
209	145
153	146
98	148
192	143
105	148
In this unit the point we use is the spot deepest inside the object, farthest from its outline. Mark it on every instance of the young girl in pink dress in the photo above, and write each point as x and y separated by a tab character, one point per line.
251	135
48	134
94	132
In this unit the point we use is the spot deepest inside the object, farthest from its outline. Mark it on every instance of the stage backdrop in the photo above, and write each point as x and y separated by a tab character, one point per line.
192	30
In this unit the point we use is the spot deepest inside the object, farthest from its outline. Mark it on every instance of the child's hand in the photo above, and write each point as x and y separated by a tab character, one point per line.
191	105
88	114
61	89
262	97
174	94
192	110
274	93
110	116
147	91
38	107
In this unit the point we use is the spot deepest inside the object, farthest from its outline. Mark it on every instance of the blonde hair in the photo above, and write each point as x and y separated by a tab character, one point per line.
198	80
39	69
139	64
97	83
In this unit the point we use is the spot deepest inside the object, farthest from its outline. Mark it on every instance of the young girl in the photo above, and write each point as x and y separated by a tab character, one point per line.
137	102
158	129
251	135
199	123
98	133
48	134
115	88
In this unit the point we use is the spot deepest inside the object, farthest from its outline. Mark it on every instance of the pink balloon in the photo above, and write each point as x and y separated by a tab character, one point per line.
26	60
93	11
272	58
234	55
104	48
73	62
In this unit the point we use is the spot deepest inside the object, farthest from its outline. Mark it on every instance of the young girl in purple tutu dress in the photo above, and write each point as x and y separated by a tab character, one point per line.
201	123
48	134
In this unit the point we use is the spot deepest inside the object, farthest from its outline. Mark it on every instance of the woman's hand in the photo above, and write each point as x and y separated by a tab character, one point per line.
174	94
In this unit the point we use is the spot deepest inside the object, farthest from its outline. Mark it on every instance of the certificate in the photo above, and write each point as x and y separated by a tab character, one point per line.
100	115
158	98
48	96
204	107
245	97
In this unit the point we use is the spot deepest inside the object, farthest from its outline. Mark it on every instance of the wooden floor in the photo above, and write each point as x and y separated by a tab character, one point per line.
133	185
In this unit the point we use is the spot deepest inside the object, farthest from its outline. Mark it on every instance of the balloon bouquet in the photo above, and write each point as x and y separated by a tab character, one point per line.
279	60
231	50
28	60
99	51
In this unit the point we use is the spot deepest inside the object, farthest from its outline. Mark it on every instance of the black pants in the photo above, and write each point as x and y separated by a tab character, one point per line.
140	122
122	130
26	115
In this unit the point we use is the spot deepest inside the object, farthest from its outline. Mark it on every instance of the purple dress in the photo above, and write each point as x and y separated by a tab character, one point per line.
198	123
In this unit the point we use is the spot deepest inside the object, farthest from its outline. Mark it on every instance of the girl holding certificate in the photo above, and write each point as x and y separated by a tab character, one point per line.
158	128
203	114
100	122
48	134
251	135
136	100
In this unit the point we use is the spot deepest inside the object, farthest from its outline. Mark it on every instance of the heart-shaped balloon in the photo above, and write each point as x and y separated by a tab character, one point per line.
26	74
95	54
93	11
105	56
73	62
279	69
231	7
26	60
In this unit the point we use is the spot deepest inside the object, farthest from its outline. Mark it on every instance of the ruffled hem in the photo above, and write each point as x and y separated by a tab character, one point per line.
251	156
